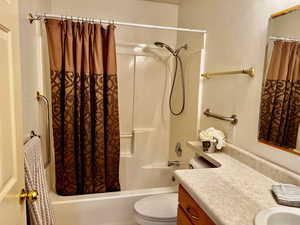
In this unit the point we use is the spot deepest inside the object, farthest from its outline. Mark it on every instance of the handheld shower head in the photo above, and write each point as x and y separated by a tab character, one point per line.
174	52
163	45
178	60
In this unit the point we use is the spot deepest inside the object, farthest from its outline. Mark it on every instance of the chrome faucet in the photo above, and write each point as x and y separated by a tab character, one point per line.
174	163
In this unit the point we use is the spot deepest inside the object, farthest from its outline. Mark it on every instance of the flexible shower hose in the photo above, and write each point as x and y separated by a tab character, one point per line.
177	58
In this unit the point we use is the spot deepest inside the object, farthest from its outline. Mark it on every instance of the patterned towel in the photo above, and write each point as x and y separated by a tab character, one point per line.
40	211
287	194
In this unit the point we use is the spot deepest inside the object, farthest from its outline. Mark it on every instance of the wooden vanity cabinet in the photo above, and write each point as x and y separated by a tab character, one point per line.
189	212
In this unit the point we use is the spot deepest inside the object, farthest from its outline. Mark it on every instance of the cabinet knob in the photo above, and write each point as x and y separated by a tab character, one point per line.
189	210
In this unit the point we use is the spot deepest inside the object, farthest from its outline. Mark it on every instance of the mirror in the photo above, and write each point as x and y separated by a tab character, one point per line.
280	100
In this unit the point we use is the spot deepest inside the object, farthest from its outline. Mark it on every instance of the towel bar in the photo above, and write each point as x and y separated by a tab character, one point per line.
250	72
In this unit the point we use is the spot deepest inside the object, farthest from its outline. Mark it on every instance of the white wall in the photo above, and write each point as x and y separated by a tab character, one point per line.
31	62
33	69
134	11
237	34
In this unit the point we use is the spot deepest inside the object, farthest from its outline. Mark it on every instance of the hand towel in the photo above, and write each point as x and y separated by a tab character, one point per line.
287	194
40	211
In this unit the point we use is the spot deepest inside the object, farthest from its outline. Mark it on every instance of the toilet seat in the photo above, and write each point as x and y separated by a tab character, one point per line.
157	209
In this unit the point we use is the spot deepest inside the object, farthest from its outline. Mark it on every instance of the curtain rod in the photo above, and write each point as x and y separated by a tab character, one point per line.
273	38
40	16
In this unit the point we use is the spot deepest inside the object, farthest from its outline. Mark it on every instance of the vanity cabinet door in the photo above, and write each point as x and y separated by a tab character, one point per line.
182	218
192	210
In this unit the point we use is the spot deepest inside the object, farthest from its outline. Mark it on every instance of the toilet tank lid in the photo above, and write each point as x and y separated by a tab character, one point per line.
162	206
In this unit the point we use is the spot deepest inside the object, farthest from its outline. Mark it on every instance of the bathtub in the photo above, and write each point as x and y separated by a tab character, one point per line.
115	208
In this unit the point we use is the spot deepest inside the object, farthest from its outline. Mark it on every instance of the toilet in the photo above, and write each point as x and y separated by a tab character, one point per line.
157	210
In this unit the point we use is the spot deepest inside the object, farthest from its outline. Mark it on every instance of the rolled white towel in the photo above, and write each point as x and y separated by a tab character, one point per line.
287	194
212	134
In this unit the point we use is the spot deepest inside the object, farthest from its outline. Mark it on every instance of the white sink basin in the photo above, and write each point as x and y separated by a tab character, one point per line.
278	216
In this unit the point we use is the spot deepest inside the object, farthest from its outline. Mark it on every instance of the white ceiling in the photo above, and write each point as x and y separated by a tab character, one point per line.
177	2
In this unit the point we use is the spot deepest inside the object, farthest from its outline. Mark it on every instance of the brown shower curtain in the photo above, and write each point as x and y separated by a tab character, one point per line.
84	107
280	106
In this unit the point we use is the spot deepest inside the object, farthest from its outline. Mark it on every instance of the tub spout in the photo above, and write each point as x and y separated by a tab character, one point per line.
174	163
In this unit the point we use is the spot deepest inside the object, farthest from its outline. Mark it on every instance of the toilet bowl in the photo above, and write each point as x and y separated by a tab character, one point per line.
157	210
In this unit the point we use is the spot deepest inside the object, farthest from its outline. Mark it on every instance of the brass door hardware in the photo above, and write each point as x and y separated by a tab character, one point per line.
30	196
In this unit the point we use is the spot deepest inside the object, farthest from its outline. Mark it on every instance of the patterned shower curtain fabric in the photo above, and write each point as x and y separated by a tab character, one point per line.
280	105
85	113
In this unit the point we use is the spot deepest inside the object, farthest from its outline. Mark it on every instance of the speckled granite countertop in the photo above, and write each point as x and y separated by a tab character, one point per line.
231	194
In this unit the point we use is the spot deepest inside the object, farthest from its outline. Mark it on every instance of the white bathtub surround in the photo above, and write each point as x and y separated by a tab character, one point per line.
115	208
233	193
144	115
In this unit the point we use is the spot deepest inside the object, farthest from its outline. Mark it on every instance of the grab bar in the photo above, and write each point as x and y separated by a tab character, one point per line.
250	72
232	119
40	97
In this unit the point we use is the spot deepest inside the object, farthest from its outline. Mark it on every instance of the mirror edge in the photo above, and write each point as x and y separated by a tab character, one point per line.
286	11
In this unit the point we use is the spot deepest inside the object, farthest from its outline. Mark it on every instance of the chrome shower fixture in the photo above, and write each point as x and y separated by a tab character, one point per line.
163	45
178	149
174	52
